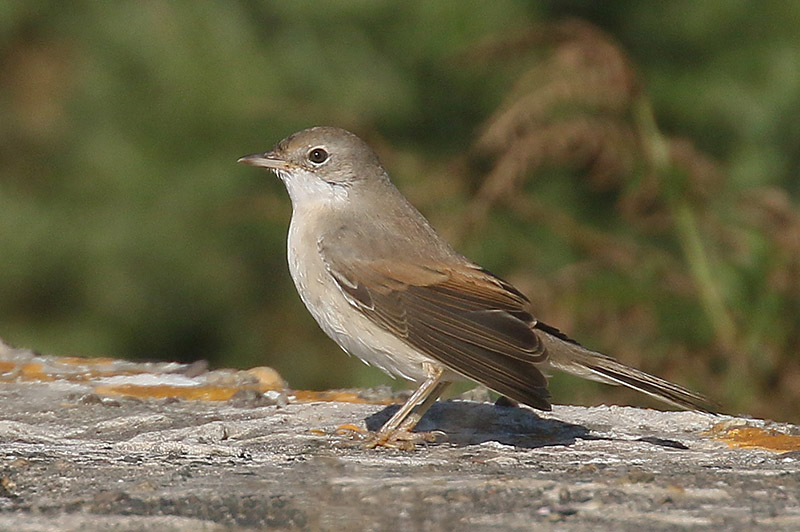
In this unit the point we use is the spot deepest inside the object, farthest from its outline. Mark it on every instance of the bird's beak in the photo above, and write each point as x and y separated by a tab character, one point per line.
265	160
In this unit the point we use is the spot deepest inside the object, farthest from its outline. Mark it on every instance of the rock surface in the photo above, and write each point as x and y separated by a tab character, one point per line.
74	458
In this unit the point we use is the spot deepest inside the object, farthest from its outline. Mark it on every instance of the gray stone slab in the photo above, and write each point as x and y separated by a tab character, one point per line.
76	460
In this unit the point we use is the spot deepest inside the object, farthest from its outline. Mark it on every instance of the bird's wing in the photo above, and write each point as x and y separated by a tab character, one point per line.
459	315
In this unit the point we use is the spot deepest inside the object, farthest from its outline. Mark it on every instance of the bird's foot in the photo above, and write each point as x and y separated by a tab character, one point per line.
403	439
398	439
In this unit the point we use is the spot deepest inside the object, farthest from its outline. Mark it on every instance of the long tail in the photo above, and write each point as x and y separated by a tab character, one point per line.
567	355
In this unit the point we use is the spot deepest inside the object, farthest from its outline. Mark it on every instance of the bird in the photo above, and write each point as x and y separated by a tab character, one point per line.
388	289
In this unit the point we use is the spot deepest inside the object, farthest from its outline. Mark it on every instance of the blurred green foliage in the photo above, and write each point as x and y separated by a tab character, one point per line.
127	229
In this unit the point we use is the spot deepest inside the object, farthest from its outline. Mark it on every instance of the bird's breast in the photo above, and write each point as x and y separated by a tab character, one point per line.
346	325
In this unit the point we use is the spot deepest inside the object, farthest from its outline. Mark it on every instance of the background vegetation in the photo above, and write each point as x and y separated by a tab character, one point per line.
633	166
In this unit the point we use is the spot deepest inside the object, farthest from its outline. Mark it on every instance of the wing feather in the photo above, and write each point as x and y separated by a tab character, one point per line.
461	316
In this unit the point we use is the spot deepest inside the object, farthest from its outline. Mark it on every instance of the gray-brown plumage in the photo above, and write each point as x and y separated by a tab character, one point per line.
387	288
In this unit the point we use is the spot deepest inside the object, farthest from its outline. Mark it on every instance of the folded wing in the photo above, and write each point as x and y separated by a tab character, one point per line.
461	316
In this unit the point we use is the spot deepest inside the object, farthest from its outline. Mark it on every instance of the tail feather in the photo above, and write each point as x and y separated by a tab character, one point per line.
567	355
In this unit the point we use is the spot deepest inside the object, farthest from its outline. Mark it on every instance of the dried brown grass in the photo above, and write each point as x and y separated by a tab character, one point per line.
682	233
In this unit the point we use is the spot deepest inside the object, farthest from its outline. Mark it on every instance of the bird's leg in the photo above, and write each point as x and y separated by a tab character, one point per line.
397	431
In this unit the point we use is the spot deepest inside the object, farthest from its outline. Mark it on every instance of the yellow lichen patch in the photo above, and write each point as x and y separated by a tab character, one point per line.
29	371
34	371
159	391
349	428
73	369
747	437
268	378
310	396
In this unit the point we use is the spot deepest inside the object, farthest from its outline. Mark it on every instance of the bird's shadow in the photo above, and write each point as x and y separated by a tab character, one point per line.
470	423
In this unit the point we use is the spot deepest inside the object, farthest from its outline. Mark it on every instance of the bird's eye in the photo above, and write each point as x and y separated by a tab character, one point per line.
317	155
